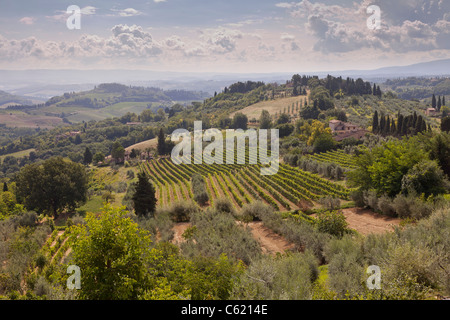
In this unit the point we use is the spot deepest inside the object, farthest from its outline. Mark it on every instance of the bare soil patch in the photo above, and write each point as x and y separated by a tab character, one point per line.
366	221
178	230
271	242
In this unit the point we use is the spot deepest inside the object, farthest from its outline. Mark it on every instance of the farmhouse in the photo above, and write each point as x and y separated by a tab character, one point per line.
342	130
431	112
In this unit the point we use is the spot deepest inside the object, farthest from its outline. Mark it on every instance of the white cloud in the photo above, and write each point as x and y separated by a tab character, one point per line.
27	20
89	10
287	37
128	12
405	26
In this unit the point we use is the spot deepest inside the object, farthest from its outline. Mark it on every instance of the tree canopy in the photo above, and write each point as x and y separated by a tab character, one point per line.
52	186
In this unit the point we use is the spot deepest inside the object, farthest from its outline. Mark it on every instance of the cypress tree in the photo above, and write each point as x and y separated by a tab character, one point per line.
387	126
393	128
5	187
87	157
433	101
443	100
418	125
382	124
400	124
439	104
375	122
405	125
161	142
144	199
374	90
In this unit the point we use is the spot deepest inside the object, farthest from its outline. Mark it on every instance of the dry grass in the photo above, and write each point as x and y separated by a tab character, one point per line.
272	106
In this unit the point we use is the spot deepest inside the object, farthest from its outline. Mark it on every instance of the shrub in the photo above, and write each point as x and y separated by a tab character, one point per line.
385	205
332	222
27	219
358	197
256	210
121	187
130	174
181	211
289	277
371	199
224	205
330	203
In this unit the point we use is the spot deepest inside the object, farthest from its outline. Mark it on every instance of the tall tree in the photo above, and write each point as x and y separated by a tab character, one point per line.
433	101
445	124
117	152
265	121
439	104
161	142
144	199
443	100
5	187
382	124
375	121
400	124
87	157
52	186
240	121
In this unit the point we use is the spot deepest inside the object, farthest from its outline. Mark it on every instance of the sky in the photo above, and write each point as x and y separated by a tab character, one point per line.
236	36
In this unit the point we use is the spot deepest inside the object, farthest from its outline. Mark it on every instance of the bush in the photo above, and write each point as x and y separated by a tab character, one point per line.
121	187
181	211
224	205
256	210
330	203
130	174
199	189
358	197
290	277
371	199
332	222
385	206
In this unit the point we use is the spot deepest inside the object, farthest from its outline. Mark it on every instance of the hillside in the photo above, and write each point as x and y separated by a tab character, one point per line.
276	106
7	99
108	101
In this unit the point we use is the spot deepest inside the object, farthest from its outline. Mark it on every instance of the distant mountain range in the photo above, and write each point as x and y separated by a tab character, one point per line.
43	84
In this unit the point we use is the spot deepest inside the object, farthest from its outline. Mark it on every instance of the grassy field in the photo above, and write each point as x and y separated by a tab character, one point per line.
272	106
20	119
18	154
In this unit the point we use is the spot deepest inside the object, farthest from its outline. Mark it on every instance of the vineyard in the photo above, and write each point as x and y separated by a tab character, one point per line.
286	190
335	156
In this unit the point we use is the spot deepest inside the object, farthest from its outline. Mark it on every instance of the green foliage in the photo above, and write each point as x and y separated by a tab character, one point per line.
199	189
52	186
265	120
144	199
111	250
383	168
332	222
284	277
425	177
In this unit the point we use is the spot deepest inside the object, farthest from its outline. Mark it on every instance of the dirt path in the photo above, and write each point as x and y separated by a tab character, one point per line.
366	221
178	230
271	242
